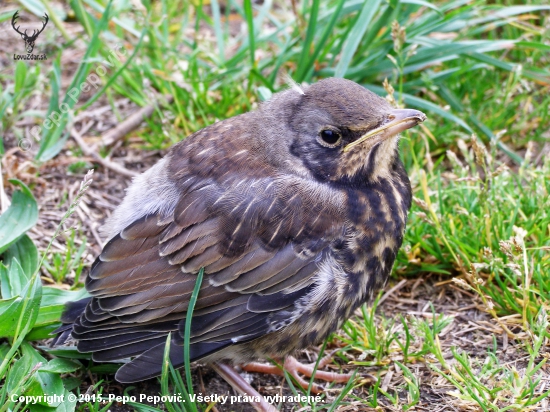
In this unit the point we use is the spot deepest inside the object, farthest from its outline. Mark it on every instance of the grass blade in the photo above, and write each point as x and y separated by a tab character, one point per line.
113	77
52	143
20	216
251	35
218	30
370	7
303	61
187	334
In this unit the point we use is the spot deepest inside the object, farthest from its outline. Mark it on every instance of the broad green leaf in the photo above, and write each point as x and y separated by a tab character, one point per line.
51	309
19	313
12	279
47	383
20	216
32	297
18	373
10	310
68	405
4	349
102	368
5	288
25	252
58	365
67	353
42	383
49	314
42	332
54	296
29	350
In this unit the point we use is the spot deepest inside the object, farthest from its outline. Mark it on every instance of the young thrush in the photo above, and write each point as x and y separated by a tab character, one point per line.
295	211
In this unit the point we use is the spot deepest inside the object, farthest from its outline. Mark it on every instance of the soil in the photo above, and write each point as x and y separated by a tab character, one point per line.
55	187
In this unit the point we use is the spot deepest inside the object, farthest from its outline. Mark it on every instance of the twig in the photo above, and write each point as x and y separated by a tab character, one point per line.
84	218
392	290
99	111
129	124
104	162
98	238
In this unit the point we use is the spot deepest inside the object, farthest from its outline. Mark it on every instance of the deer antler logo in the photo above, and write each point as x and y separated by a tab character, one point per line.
29	40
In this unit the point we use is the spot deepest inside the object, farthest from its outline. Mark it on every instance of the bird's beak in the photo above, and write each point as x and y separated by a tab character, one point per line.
398	121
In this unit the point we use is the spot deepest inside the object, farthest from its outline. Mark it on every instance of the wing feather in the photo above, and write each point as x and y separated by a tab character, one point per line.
257	263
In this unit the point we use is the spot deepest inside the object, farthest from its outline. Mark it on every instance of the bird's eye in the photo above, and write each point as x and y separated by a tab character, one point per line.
329	138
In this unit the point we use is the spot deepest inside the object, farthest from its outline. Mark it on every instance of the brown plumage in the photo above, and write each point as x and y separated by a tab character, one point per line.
294	224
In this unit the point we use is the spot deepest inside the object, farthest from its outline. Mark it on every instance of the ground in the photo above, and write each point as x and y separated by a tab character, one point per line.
433	343
466	327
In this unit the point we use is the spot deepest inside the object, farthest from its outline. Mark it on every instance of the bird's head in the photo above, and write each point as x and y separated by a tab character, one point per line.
336	130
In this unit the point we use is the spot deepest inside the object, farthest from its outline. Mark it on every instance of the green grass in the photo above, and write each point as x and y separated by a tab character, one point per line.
480	216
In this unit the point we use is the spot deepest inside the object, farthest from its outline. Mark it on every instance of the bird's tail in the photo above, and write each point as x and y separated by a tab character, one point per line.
71	313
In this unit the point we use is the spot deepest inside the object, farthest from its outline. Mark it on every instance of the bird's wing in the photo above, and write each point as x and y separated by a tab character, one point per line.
260	249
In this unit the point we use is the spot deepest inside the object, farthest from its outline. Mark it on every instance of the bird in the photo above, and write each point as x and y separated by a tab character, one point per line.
293	213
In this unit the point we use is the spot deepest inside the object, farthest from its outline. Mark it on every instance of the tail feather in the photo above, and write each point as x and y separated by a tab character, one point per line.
72	312
127	351
149	364
74	309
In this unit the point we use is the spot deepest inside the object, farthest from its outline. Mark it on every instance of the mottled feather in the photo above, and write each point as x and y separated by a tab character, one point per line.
293	235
